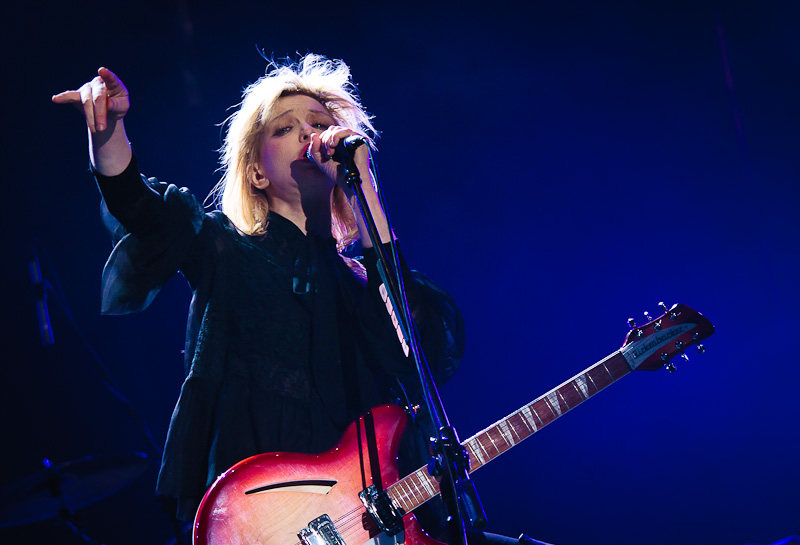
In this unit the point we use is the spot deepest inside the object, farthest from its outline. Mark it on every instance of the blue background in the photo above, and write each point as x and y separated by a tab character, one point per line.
558	166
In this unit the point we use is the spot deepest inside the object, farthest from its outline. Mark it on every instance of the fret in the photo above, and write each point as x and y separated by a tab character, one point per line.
502	442
408	493
395	492
528	418
553	404
571	395
426	484
510	425
609	372
536	413
409	490
406	499
580	387
619	365
431	484
589	376
600	376
401	491
516	423
549	406
417	489
475	452
489	435
483	448
412	491
561	395
513	427
506	433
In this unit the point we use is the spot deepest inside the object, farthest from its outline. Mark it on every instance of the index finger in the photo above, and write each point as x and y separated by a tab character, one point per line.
331	137
109	78
67	97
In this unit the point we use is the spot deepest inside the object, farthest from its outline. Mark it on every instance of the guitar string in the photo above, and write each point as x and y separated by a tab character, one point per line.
351	518
354	517
344	522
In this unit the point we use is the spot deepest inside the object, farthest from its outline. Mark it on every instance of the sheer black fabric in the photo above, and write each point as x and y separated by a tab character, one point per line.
285	343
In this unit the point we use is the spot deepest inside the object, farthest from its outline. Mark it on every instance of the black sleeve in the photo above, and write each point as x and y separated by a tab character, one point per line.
154	226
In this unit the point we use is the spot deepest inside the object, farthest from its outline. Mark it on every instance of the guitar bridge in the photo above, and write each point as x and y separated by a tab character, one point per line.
383	511
320	531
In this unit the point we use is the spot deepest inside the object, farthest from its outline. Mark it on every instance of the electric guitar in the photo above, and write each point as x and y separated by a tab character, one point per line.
352	494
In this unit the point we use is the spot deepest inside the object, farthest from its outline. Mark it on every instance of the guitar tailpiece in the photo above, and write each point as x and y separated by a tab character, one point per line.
320	531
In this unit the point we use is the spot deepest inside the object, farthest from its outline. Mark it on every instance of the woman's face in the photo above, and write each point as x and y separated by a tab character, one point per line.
282	158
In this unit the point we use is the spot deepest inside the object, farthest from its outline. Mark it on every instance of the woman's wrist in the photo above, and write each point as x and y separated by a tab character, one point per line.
109	150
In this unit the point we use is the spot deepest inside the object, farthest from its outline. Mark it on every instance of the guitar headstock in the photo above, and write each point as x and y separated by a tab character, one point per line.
654	344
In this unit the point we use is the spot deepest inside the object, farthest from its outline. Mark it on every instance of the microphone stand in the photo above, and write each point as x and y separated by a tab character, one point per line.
450	463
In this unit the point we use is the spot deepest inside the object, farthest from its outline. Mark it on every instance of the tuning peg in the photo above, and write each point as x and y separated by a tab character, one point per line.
700	348
632	325
663	307
684	356
671	367
647	315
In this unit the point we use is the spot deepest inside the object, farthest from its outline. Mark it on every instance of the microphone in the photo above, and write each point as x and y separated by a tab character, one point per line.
45	331
347	146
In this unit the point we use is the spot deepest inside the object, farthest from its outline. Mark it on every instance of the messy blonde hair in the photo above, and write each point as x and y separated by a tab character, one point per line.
325	80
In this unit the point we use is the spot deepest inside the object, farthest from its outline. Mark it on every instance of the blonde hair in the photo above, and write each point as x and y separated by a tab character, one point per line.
325	80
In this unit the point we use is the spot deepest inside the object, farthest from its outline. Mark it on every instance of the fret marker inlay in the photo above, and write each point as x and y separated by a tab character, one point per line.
552	400
580	381
528	416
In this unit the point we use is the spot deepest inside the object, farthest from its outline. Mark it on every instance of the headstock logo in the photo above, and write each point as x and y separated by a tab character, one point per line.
637	352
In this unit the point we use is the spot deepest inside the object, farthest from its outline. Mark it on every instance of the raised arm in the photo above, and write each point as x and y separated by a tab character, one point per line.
104	101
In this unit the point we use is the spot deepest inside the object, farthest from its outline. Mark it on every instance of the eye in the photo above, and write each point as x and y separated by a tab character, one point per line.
320	125
282	130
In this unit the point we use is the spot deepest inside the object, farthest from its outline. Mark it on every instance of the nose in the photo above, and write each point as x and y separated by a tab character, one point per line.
305	132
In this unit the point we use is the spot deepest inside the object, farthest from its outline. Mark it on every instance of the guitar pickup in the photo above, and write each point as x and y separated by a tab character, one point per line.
320	531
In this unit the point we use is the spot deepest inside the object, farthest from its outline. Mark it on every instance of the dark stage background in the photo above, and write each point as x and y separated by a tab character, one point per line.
558	166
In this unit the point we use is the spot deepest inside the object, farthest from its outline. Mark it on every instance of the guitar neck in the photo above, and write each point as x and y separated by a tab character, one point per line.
483	447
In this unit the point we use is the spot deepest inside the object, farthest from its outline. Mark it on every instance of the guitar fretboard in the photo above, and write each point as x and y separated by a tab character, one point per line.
417	488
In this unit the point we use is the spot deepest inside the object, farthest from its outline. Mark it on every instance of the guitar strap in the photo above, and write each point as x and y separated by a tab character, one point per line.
359	423
372	448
